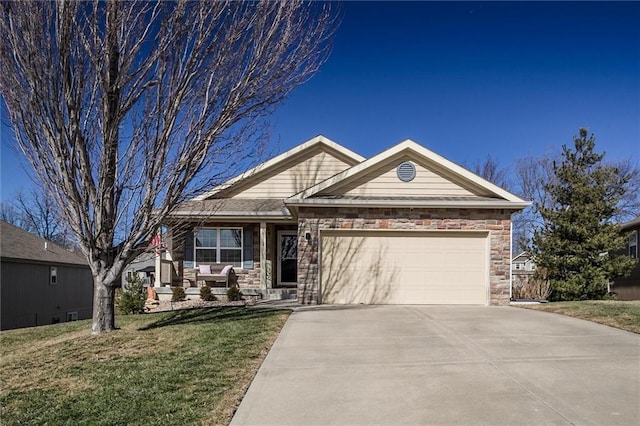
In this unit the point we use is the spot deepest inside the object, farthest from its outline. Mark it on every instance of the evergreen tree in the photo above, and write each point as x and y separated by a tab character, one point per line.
133	296
578	246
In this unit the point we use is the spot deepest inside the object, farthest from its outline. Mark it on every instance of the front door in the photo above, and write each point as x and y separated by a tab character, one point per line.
287	258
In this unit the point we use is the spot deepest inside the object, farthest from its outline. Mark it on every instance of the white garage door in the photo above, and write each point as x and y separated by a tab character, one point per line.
378	267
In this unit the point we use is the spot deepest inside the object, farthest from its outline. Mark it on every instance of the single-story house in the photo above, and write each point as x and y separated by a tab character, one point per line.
523	264
405	226
143	266
42	283
628	288
523	282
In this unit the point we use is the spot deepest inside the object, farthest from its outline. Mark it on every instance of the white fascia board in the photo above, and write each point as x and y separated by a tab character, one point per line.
410	146
480	204
523	254
281	159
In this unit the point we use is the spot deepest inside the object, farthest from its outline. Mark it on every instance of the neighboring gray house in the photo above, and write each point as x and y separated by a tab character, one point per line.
41	283
523	282
522	264
144	266
628	288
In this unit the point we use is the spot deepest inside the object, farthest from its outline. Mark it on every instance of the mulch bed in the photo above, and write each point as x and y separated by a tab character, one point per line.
153	306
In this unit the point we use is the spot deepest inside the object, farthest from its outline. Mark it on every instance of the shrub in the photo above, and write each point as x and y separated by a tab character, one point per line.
205	294
178	294
530	287
133	297
234	293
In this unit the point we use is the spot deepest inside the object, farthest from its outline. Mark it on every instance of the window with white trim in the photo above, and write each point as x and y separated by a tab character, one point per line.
218	245
53	275
633	245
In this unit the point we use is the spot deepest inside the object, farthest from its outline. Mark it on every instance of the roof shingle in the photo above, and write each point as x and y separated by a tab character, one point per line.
16	243
233	207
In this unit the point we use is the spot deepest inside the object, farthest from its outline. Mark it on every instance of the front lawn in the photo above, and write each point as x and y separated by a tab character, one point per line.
173	368
614	313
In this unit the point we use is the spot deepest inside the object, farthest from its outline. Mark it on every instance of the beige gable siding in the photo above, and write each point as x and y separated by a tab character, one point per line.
294	177
384	182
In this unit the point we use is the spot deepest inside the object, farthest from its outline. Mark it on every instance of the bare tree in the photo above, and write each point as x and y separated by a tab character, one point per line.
533	173
629	206
125	109
10	214
492	171
38	214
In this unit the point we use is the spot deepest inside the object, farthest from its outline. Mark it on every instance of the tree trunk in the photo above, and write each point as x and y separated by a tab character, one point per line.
103	306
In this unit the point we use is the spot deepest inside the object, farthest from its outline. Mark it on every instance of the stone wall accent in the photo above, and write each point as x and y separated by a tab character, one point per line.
247	278
250	278
496	222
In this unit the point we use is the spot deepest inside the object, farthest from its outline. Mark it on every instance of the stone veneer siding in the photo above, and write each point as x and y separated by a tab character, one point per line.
496	222
250	278
247	278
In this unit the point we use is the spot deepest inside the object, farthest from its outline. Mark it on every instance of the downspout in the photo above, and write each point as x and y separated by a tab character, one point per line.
510	257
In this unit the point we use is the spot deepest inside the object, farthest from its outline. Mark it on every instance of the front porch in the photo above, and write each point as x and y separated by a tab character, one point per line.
263	256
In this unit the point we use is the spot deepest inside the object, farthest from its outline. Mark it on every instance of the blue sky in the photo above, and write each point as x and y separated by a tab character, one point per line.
469	79
509	79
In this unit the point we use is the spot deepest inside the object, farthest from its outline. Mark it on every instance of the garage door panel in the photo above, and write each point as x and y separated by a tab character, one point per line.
403	268
352	281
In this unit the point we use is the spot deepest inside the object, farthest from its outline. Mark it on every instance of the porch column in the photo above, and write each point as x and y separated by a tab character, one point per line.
158	266
263	255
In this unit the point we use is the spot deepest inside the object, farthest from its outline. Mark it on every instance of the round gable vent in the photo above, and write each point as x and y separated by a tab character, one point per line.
406	171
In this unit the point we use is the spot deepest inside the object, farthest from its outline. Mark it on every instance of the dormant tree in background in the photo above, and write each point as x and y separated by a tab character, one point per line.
37	213
531	176
10	214
629	205
534	174
125	109
492	171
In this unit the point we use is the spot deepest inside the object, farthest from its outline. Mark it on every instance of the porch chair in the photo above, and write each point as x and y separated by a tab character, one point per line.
216	273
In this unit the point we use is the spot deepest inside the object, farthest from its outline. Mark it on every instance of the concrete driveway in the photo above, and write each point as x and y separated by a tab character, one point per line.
445	365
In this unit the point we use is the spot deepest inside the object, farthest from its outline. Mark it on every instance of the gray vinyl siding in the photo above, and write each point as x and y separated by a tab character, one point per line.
628	288
28	298
141	262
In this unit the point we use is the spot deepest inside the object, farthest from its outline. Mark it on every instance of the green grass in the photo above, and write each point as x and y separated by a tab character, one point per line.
614	313
175	368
